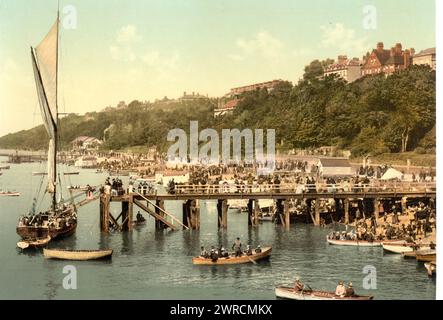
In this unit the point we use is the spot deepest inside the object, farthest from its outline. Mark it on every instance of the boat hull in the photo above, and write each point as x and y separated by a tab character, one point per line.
265	254
78	255
27	232
289	293
354	243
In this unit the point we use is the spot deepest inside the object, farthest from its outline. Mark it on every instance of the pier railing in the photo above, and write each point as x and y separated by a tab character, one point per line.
305	188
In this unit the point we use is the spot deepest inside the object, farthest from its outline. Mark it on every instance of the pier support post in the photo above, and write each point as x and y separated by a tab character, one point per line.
195	215
124	215
346	208
158	224
186	216
256	212
317	211
222	211
286	213
404	206
376	208
279	210
104	212
250	212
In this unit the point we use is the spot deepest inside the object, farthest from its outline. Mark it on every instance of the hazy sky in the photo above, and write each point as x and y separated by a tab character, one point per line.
126	50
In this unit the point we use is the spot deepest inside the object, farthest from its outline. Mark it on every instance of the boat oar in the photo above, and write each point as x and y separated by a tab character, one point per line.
253	261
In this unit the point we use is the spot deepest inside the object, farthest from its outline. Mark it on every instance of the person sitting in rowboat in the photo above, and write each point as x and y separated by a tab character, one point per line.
224	253
350	291
258	249
298	286
204	253
214	255
340	291
248	250
237	247
140	217
432	245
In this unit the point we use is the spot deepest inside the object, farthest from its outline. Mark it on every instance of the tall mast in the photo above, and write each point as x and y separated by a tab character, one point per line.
54	196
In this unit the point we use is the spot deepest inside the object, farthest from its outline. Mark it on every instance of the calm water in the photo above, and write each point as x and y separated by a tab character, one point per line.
157	265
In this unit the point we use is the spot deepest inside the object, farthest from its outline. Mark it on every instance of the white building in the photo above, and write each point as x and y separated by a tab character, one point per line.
425	57
338	167
349	70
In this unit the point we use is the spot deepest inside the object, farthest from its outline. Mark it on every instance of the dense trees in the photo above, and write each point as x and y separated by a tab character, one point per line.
373	115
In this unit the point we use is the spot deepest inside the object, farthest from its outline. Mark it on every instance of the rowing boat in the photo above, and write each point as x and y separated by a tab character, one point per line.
357	243
265	254
77	254
426	255
431	267
402	248
290	293
33	243
9	194
71	173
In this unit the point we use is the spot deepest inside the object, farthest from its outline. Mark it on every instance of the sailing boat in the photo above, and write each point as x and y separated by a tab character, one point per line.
61	218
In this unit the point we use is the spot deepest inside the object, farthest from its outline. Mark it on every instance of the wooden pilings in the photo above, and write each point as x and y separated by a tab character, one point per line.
286	213
127	215
160	204
222	213
250	212
317	212
104	212
256	212
376	208
191	215
346	209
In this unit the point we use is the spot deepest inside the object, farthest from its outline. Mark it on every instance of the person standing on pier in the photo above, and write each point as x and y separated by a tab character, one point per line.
237	247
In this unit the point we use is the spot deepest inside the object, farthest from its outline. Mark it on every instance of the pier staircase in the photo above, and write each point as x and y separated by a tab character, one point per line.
159	213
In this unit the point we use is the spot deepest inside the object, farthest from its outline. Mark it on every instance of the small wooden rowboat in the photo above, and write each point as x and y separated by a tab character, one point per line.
71	173
431	267
402	248
289	293
33	243
426	255
357	243
9	194
77	254
265	254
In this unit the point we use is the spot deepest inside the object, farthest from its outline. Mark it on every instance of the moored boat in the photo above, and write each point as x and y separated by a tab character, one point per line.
33	242
290	293
9	194
357	243
403	247
264	254
426	255
81	255
71	173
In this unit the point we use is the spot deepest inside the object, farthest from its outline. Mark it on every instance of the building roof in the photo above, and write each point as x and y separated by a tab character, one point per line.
83	139
334	162
382	56
429	51
395	60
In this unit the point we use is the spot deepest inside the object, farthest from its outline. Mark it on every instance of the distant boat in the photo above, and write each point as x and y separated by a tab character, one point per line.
9	194
119	173
39	173
402	247
33	243
4	167
71	173
290	293
64	254
356	243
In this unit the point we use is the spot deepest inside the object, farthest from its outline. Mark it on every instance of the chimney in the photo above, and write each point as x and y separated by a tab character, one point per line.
407	58
342	59
398	48
380	46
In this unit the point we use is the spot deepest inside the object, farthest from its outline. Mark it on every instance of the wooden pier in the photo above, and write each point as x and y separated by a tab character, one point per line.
367	198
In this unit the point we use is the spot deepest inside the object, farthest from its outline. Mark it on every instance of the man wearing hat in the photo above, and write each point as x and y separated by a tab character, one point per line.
350	290
340	290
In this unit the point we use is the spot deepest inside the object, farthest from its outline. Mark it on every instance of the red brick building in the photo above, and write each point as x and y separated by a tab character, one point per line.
386	61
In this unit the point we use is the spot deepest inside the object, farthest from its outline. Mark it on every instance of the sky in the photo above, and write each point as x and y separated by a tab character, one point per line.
112	50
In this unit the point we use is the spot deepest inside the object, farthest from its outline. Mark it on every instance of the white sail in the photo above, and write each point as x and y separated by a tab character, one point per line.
44	61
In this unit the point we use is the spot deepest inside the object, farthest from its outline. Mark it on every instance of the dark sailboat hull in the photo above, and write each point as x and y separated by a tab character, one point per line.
27	232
